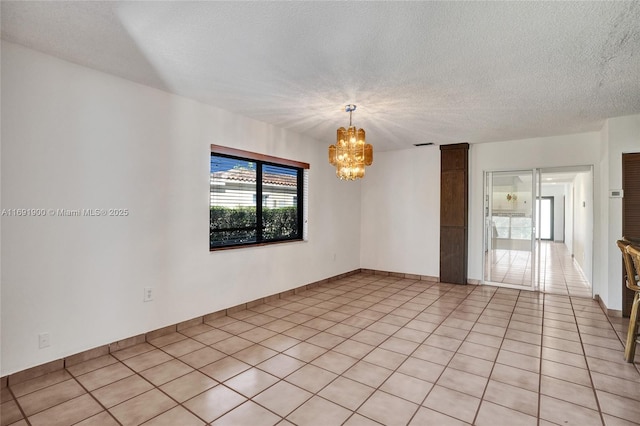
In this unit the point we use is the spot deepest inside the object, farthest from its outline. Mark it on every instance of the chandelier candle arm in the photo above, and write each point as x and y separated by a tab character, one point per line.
351	153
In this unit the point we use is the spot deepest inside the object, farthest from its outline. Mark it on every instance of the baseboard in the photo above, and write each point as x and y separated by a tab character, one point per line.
59	364
71	360
401	275
613	313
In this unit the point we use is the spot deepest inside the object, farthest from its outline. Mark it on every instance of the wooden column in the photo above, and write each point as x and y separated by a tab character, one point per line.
454	212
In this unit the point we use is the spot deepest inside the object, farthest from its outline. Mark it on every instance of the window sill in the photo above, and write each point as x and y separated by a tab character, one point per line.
244	246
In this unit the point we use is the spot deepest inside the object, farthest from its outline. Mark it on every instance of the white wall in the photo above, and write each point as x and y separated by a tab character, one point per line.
621	135
568	217
407	182
582	225
401	212
601	217
557	151
76	138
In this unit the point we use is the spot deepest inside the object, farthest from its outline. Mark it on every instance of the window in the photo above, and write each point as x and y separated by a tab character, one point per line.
237	180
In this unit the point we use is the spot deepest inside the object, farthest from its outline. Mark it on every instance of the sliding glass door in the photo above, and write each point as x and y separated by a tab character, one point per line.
538	229
510	259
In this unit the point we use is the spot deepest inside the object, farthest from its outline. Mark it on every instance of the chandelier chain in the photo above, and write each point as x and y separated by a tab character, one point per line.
350	108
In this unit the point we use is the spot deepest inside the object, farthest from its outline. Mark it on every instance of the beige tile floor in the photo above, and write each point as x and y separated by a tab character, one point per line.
558	271
364	350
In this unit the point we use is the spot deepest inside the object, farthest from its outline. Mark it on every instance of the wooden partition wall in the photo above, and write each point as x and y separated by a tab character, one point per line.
454	212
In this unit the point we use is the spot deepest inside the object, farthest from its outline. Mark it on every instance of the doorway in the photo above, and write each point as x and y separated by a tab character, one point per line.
538	229
544	212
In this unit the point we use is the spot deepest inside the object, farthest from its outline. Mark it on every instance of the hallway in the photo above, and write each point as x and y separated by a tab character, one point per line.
558	272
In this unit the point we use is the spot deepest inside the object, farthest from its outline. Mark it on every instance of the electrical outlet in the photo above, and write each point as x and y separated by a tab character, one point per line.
148	294
44	340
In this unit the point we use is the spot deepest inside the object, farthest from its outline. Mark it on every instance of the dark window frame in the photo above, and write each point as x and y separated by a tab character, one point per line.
265	160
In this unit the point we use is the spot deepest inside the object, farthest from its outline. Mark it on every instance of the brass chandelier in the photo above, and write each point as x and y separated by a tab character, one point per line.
350	154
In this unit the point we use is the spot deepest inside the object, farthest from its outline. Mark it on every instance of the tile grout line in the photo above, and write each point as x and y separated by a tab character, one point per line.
92	396
137	373
400	305
584	354
354	411
408	290
495	361
377	346
326	350
306	363
544	311
407	357
73	377
456	352
484	391
579	333
221	383
15	399
179	404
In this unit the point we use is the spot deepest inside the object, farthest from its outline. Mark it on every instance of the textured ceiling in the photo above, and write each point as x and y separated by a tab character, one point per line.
441	72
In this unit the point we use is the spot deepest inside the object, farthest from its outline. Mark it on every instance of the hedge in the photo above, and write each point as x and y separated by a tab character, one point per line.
279	223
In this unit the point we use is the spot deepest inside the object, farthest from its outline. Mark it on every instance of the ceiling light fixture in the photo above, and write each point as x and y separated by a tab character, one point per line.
350	154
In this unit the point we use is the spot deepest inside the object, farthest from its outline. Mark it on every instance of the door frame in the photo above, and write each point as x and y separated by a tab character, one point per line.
487	240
